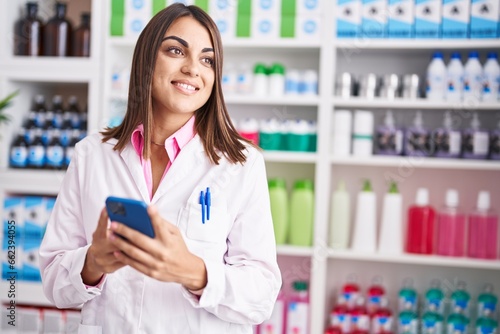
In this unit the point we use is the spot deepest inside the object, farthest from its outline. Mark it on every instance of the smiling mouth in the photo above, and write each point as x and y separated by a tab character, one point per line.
186	86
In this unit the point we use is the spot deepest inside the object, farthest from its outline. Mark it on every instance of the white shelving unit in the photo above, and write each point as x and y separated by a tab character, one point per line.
326	269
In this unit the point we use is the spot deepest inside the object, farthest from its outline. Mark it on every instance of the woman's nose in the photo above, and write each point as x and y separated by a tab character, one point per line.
191	68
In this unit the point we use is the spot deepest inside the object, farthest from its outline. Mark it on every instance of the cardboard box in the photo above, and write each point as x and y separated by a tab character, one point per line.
484	18
401	19
348	14
375	15
456	18
428	18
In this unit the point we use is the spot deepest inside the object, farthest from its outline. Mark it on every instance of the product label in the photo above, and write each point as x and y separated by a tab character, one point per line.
382	324
456	15
19	156
408	326
36	155
55	156
348	18
360	322
374	18
491	87
457	328
484	18
480	143
401	19
428	18
297	317
341	320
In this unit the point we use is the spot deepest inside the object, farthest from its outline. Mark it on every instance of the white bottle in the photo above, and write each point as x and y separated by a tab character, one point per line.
277	80
362	136
365	225
309	83
491	77
473	78
260	80
229	79
342	133
455	74
340	222
292	82
245	78
391	233
436	78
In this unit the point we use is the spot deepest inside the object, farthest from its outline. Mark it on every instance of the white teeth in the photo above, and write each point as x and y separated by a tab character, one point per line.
186	86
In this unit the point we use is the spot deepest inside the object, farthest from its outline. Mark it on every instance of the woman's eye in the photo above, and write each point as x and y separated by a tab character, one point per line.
175	51
209	61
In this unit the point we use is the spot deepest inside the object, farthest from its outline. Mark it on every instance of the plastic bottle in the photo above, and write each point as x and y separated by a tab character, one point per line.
55	152
36	151
365	226
376	296
340	317
476	140
57	33
408	297
362	137
417	138
297	317
309	83
74	112
301	213
436	78
40	110
351	291
244	80
457	324
473	78
487	302
292	82
389	139
421	225
269	134
434	298
260	80
81	38
57	109
460	300
19	151
495	143
342	133
277	80
313	136
279	208
340	223
483	229
486	326
432	323
391	231
359	317
451	227
382	319
407	322
28	33
276	323
249	129
491	75
455	81
230	79
298	136
446	140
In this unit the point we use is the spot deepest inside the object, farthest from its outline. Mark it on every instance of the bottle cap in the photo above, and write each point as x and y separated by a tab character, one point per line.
456	55
303	184
438	55
277	68
492	55
367	186
300	285
483	200
473	54
260	69
451	198
393	188
276	183
422	197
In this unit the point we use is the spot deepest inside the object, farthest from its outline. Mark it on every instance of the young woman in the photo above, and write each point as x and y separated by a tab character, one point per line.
211	267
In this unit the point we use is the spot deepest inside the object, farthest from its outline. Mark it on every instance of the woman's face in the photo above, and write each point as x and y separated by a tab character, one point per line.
184	74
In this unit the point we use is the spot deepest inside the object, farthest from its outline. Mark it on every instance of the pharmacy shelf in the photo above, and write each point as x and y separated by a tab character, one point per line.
287	250
26	293
417	162
293	157
236	43
30	181
286	100
415	44
412	104
427	260
50	69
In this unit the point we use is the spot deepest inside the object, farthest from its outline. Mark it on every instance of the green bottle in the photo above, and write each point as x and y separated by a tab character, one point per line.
407	322
408	297
432	323
486	326
460	300
487	302
301	213
457	324
434	298
279	208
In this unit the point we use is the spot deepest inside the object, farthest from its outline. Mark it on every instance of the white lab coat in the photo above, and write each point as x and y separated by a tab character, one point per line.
237	243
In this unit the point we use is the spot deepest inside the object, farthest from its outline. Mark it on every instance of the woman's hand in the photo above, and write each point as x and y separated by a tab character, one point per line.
100	257
165	258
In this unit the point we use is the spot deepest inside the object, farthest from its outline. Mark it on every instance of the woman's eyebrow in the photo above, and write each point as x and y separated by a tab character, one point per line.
185	43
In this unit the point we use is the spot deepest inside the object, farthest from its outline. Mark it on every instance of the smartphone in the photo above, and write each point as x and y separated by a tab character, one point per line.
130	212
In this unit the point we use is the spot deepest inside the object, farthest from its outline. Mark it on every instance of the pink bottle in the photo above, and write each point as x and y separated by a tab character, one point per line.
421	225
451	227
483	230
249	129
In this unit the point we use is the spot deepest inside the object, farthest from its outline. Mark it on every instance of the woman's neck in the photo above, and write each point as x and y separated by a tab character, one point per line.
166	125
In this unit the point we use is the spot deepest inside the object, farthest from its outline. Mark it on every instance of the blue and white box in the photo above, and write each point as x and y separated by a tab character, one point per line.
224	14
266	7
308	27
35	217
348	18
31	260
401	18
267	27
428	18
484	18
375	15
137	15
456	18
309	7
13	216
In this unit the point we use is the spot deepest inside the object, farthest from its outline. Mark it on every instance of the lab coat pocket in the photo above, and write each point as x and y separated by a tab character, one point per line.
87	329
213	230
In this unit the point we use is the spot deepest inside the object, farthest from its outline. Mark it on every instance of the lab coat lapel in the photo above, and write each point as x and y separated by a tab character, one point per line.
133	163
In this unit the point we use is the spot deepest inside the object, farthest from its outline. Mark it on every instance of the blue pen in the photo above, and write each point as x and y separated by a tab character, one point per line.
202	202
208	202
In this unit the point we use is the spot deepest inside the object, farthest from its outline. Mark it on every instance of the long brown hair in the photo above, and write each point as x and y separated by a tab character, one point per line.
212	121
